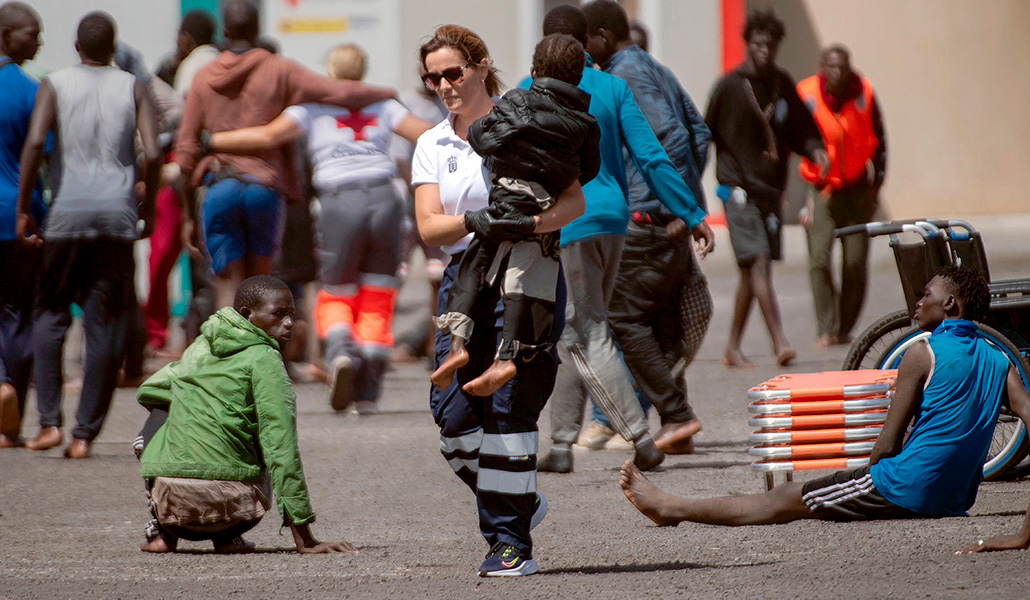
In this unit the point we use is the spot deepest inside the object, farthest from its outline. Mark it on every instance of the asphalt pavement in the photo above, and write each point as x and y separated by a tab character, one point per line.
71	529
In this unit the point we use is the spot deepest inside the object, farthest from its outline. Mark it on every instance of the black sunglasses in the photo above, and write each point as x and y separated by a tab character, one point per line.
452	74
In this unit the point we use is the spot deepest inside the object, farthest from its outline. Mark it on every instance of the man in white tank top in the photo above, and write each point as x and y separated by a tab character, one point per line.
95	110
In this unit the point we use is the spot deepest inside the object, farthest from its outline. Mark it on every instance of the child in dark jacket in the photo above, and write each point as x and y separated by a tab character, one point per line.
536	143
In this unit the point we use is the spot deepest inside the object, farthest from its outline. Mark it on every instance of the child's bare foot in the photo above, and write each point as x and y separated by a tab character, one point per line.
785	355
495	376
645	495
161	544
236	545
734	358
443	376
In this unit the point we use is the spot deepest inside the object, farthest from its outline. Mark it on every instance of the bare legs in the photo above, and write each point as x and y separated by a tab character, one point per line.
756	284
235	272
782	504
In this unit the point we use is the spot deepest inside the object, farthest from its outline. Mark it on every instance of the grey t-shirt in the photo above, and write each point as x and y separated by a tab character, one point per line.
94	167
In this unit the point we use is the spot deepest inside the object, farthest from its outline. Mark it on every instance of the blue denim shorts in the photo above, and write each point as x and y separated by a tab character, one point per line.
240	218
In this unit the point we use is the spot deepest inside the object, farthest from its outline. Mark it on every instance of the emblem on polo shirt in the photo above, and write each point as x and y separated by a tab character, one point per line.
452	164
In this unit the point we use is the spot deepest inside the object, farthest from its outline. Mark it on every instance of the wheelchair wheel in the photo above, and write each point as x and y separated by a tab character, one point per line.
874	346
883	343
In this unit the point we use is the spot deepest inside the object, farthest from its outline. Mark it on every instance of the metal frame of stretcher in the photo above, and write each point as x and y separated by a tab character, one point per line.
819	407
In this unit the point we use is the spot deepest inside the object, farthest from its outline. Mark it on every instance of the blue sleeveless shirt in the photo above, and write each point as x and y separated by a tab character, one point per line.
940	466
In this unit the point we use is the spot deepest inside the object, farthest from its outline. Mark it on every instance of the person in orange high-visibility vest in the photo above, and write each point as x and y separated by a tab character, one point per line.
846	111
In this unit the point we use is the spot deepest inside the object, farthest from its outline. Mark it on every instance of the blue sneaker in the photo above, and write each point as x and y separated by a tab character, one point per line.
539	511
506	561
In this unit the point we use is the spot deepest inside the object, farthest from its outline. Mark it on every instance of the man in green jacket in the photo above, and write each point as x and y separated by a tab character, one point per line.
231	419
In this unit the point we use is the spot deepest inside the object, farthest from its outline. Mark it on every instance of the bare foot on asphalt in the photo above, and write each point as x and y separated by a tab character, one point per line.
7	441
644	495
825	341
47	438
735	359
160	545
492	379
677	438
785	355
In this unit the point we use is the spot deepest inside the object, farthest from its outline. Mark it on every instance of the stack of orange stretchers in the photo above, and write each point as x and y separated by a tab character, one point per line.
824	420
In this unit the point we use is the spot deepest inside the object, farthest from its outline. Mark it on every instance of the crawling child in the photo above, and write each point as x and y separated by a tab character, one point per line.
536	142
231	421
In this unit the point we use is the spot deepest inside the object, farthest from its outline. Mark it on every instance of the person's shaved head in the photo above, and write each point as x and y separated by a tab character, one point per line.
15	14
241	20
95	37
19	31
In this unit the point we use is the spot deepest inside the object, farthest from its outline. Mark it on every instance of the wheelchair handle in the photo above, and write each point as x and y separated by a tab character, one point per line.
880	228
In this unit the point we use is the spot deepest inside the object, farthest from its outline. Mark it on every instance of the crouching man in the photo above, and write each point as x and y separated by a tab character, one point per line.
231	420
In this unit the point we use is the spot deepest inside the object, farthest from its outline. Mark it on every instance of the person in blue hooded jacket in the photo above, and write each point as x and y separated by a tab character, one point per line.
591	247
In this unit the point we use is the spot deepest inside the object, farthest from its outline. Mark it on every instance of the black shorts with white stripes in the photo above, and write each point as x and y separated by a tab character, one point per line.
850	496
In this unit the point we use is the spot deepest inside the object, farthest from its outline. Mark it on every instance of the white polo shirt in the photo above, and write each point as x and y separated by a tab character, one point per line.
443	158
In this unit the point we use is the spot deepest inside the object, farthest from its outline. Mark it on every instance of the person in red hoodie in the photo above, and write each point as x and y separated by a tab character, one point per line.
247	86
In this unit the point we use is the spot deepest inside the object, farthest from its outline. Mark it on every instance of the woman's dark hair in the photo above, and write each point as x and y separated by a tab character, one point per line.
971	289
767	21
559	56
466	43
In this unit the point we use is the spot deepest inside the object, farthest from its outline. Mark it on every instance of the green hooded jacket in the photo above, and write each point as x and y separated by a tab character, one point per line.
232	414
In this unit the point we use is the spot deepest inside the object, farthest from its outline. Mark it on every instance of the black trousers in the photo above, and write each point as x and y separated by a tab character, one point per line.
96	274
19	270
645	316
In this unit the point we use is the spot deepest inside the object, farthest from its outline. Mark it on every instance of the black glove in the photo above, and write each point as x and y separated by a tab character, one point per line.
496	225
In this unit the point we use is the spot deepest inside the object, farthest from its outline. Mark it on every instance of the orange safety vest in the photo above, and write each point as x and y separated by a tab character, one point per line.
848	135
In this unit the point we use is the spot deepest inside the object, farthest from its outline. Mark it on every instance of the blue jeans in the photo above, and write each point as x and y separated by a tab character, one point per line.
239	218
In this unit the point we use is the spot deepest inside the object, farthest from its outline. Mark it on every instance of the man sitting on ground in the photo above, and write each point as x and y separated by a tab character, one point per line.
231	418
953	386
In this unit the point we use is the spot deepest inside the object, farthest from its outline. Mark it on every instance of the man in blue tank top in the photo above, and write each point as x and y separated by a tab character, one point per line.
952	386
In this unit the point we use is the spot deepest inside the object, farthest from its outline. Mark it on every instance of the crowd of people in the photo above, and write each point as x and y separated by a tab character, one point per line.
571	217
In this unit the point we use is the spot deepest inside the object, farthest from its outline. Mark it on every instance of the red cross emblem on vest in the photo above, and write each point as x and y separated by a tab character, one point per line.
357	122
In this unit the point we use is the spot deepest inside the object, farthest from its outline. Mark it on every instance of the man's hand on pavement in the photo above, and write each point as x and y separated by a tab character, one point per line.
1001	542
